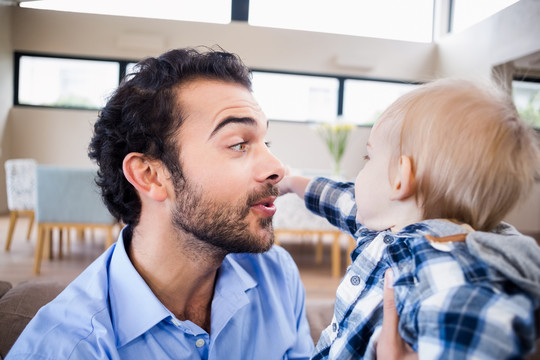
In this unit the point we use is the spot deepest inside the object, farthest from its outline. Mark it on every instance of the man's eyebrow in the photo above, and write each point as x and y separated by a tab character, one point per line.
231	120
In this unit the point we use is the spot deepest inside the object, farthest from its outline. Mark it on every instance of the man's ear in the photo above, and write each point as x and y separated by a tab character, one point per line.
145	175
404	184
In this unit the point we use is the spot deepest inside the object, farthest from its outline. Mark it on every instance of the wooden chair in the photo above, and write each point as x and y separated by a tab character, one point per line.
68	198
20	185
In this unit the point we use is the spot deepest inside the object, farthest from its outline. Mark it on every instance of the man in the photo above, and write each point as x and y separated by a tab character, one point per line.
184	164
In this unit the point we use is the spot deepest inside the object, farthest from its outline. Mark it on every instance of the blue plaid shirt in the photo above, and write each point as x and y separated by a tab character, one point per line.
451	305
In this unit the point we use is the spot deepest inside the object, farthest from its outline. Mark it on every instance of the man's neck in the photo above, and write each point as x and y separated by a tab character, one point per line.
180	274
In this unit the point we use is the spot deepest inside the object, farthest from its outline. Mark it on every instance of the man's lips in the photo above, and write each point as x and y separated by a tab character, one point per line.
265	207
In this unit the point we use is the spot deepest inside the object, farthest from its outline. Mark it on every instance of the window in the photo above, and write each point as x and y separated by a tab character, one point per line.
393	19
526	96
296	97
65	82
212	11
466	13
365	100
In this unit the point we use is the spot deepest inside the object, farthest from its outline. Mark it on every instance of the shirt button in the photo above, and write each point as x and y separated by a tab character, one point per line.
355	280
199	343
388	239
334	327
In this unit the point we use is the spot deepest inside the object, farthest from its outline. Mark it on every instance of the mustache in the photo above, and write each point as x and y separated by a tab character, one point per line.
257	196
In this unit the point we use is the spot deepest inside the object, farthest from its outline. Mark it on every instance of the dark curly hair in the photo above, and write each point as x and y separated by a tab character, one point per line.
143	115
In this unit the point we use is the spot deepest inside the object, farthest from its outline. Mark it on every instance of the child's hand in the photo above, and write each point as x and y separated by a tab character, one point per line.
293	183
284	185
390	344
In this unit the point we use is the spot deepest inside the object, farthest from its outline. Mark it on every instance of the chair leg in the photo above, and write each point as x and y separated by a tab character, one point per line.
48	242
109	240
80	234
12	220
336	256
42	234
68	239
350	249
32	216
319	248
60	243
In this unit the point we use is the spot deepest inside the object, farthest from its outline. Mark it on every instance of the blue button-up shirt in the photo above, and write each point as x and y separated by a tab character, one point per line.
109	312
451	304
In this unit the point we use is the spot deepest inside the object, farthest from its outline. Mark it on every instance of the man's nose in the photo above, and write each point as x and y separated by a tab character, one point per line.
271	168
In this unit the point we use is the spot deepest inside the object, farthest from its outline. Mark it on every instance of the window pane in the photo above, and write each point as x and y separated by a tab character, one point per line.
527	99
466	13
62	82
392	19
130	67
296	97
213	11
365	100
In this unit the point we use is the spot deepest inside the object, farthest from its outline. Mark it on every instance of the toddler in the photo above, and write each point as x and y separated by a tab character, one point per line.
445	163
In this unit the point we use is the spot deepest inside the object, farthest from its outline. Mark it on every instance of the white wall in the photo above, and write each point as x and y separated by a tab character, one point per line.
278	49
51	137
6	92
502	38
61	136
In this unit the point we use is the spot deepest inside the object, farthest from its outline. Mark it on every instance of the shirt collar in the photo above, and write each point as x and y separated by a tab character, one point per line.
230	294
233	277
129	294
134	307
436	227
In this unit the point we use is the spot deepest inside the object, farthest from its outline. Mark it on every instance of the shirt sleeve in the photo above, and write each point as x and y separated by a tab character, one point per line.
473	322
334	201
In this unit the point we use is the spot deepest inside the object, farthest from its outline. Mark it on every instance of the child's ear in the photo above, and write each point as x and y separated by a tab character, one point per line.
147	176
404	184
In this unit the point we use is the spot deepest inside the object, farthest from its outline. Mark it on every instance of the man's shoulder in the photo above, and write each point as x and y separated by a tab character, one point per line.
70	320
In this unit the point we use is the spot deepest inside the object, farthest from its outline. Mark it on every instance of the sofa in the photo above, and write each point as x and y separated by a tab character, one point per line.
18	304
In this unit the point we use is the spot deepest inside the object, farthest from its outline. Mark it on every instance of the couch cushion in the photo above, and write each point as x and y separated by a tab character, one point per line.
319	313
19	305
4	287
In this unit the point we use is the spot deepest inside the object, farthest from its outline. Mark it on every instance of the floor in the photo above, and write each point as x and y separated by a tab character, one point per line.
17	264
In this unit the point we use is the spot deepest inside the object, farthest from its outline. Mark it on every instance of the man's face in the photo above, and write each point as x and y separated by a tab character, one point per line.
227	195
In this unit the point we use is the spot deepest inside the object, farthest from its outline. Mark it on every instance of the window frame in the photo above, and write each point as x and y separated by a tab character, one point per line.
525	78
123	63
16	74
341	89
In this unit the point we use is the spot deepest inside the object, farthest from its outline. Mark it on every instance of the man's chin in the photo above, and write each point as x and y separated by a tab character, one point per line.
264	243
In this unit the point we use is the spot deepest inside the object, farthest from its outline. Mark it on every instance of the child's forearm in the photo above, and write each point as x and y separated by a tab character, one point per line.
295	184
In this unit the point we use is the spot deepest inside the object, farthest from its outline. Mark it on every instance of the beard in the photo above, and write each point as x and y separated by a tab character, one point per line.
224	227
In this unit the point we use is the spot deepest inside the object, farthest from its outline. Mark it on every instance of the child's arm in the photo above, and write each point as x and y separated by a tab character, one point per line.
295	184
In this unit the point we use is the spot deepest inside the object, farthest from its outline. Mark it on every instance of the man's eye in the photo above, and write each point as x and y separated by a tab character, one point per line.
268	144
240	147
366	157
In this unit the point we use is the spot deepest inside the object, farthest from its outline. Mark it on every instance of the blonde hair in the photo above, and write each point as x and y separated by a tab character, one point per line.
473	157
